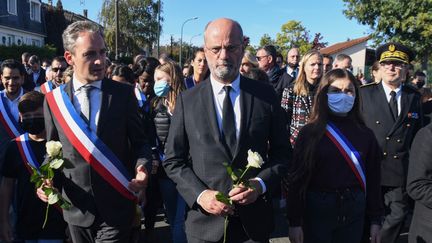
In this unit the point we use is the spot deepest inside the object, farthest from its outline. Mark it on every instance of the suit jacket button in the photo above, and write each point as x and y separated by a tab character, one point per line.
385	153
387	138
377	122
395	157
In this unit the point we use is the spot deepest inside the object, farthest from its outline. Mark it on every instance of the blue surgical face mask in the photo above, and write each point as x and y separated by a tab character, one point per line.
161	88
340	103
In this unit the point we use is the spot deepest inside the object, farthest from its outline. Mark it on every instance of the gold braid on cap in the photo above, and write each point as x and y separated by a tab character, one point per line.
394	55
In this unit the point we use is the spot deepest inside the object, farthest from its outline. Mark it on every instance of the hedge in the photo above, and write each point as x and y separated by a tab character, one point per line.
14	52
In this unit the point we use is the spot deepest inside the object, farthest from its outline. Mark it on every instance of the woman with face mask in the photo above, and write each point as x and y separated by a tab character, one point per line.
168	85
297	99
334	183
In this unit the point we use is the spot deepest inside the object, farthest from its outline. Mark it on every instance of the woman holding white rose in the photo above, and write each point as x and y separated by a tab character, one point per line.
335	179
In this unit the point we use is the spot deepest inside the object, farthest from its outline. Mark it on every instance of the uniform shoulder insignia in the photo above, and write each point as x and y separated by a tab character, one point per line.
369	84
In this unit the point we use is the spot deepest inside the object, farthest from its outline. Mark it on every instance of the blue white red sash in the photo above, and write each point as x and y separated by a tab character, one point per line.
350	154
142	100
88	145
6	118
46	87
26	152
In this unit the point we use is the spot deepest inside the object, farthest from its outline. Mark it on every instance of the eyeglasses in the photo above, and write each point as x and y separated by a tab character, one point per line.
396	64
229	49
57	69
261	57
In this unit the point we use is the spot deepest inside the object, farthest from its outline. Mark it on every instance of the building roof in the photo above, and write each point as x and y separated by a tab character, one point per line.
343	45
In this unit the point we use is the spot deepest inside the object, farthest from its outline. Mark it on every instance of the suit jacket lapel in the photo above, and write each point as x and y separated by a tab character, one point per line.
105	104
405	103
383	104
246	101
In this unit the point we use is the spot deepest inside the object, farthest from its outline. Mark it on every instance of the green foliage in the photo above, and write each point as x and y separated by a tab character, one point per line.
293	33
14	52
405	21
137	24
266	40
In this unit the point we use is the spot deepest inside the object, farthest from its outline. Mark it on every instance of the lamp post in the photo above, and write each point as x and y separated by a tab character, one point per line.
190	44
181	38
116	29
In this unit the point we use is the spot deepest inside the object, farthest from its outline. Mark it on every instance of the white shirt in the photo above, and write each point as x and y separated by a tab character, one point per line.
398	91
13	104
219	96
35	77
95	100
290	71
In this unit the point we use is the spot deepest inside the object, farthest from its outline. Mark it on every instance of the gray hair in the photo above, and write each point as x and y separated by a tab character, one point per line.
71	33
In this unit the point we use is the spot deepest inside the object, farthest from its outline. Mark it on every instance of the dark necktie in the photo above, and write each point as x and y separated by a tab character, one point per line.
393	104
228	122
294	74
85	106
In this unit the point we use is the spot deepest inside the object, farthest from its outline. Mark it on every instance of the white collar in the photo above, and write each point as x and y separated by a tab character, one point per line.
218	86
387	89
78	84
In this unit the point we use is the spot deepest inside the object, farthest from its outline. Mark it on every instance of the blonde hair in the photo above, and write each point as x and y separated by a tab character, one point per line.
177	84
250	58
300	85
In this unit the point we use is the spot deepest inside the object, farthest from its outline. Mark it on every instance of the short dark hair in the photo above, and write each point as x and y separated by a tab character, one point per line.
125	72
30	101
327	56
419	73
34	59
271	50
257	74
12	64
59	59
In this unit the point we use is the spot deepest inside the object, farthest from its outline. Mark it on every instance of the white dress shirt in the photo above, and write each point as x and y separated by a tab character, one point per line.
36	76
13	104
290	71
398	91
95	100
219	96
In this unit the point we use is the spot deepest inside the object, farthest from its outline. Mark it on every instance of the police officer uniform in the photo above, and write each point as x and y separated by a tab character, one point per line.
395	133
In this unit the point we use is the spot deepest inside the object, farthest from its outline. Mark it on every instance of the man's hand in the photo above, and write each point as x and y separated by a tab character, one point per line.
140	181
40	192
243	195
295	234
209	203
375	233
6	234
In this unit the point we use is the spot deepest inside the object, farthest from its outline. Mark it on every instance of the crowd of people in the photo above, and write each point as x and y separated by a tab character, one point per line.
349	155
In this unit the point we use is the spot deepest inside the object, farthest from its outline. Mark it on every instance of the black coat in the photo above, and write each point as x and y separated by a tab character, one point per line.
120	129
394	137
194	131
419	186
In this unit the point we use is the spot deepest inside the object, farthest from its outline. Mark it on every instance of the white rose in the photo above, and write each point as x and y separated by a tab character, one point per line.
254	159
53	148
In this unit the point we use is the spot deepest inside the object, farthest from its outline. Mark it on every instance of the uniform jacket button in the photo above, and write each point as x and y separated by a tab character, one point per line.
385	153
387	138
377	122
399	141
408	125
395	157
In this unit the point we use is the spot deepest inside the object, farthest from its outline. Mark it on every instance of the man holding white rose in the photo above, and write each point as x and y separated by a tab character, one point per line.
218	122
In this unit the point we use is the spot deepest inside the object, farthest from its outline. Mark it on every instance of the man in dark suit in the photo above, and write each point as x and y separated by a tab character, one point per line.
278	77
36	76
419	186
99	212
217	122
393	112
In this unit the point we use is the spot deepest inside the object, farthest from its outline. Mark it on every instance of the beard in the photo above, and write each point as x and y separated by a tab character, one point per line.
225	72
293	65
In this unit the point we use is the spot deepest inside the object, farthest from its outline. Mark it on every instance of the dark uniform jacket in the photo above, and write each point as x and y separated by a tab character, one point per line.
394	137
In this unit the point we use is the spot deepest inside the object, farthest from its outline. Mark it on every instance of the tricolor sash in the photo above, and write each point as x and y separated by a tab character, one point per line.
87	143
350	154
7	119
142	100
46	87
26	152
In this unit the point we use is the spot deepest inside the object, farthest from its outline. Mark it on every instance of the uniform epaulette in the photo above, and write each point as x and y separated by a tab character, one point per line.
370	84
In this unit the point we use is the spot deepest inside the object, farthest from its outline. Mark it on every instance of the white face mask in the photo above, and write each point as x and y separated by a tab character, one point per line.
340	103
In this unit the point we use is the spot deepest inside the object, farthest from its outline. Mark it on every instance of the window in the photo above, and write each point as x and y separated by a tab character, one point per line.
12	6
10	40
36	42
35	11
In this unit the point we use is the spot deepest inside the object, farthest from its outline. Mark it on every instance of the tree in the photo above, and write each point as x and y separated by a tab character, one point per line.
137	24
317	43
406	21
293	33
266	40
